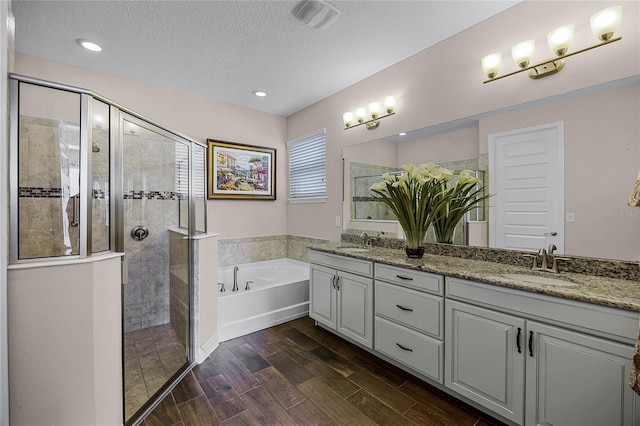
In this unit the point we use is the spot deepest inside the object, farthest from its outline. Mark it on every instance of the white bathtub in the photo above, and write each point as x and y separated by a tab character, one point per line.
279	293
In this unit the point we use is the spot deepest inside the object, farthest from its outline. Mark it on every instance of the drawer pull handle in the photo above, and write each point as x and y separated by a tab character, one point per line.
405	309
404	278
518	340
404	348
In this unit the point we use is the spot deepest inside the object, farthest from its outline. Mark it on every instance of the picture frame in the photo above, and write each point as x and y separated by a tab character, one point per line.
240	172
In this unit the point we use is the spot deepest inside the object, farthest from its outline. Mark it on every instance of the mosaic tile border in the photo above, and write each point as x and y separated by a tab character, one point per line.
38	192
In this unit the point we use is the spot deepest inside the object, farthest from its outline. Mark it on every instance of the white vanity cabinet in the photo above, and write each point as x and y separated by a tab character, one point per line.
539	360
341	295
409	309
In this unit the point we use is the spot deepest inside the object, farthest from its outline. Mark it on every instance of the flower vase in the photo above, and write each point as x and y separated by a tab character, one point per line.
414	253
414	243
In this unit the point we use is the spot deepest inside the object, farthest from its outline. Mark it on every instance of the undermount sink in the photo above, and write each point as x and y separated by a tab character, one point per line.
353	249
537	279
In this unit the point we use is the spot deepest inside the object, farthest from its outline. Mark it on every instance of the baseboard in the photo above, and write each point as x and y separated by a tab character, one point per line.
207	349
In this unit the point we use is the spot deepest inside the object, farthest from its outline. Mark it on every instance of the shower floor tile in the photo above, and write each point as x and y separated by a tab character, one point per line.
152	356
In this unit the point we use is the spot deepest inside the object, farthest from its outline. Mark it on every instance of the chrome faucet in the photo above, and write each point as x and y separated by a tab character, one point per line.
366	241
246	287
235	278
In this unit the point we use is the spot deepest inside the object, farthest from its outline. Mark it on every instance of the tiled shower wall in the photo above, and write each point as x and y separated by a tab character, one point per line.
150	201
41	206
233	251
41	202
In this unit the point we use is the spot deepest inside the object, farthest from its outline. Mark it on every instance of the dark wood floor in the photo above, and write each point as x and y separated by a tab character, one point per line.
300	374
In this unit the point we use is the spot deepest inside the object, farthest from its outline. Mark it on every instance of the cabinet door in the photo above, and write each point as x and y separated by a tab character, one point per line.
322	295
574	379
355	308
485	358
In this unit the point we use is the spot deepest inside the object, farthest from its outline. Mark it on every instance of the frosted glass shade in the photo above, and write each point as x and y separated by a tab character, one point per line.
374	109
606	22
389	104
360	114
523	52
347	118
560	39
491	64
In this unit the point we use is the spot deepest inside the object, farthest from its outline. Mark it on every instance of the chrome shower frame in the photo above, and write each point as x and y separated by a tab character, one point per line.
118	114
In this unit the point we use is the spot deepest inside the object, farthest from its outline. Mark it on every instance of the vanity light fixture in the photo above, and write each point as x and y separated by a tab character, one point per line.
603	25
373	111
89	45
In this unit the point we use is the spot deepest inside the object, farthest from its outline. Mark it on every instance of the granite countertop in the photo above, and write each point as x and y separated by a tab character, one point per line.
613	292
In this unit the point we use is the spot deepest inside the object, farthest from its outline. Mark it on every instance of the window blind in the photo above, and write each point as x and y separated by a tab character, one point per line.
308	167
182	171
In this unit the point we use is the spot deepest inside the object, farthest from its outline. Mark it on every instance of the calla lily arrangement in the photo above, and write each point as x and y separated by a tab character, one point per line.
414	198
422	195
461	197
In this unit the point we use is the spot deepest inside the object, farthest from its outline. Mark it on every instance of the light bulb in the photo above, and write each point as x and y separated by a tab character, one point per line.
89	45
523	52
491	65
560	39
606	22
389	104
361	112
374	109
347	118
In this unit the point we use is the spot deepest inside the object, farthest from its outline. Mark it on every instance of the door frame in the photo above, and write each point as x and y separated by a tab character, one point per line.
492	140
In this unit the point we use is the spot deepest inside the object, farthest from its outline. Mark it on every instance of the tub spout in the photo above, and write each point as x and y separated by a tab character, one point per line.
235	278
247	286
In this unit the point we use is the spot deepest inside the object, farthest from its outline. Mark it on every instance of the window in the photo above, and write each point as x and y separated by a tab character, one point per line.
308	168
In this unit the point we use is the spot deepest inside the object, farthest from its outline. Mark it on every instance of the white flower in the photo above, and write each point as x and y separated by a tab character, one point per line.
379	186
387	177
409	167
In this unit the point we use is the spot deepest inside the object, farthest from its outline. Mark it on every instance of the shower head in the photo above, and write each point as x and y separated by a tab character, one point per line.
95	147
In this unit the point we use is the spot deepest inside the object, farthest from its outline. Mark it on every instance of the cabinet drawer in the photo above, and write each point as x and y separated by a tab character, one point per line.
356	266
423	281
420	311
422	353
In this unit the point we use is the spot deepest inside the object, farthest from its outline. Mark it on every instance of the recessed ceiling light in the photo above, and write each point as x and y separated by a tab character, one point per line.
402	134
89	45
260	93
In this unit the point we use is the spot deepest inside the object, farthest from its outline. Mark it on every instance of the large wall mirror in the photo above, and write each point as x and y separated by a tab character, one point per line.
601	159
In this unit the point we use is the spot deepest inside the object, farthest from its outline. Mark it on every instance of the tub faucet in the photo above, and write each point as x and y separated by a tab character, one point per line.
247	286
221	287
235	278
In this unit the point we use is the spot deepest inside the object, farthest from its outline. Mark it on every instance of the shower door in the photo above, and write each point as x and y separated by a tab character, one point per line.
156	308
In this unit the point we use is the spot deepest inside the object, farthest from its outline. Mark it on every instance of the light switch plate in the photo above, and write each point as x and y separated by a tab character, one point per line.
338	221
570	218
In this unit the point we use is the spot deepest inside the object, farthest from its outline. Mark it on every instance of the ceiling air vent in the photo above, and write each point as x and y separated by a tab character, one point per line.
317	14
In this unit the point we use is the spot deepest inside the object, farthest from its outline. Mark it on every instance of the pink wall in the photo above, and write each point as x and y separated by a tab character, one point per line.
199	119
444	83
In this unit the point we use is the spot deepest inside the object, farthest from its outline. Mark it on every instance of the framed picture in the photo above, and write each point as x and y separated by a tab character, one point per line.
236	171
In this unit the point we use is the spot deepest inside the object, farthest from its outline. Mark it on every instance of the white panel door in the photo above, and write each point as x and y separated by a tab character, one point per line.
527	177
574	379
484	358
355	305
322	295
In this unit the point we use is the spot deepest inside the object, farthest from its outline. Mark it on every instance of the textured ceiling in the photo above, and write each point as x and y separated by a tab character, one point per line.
223	50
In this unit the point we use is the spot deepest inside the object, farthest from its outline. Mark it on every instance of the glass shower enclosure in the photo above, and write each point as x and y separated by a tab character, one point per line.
87	177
